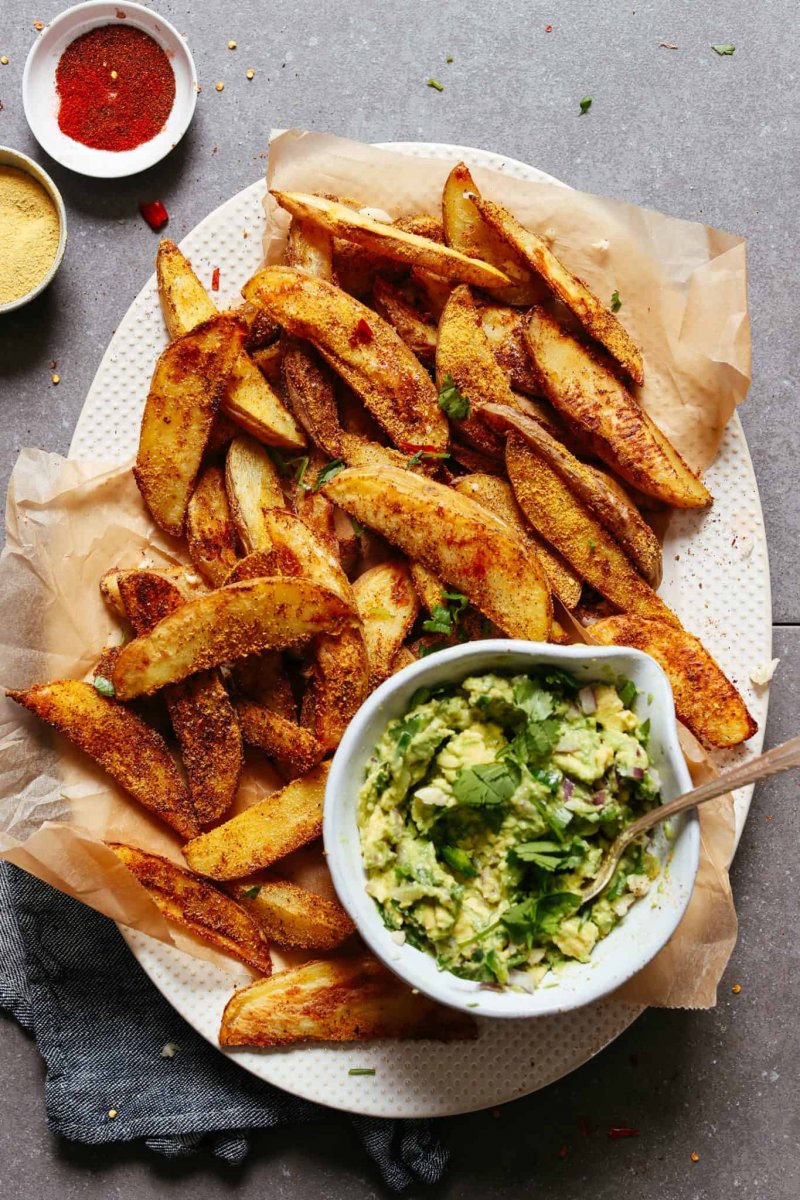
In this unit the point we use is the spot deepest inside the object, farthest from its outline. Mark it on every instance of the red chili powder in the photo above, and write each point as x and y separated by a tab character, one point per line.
116	87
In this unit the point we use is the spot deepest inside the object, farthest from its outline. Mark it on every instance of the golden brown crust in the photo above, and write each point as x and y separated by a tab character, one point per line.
309	384
503	327
279	737
210	531
185	303
294	917
388	605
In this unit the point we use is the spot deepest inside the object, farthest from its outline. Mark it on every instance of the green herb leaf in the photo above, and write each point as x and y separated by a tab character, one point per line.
434	83
487	785
534	742
301	466
452	400
423	651
616	303
547	855
554	908
417	458
628	692
328	472
104	686
252	892
279	461
459	860
361	1071
586	104
520	921
554	677
723	48
421	696
532	698
440	621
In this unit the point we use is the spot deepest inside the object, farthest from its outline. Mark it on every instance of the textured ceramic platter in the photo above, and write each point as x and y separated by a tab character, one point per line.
716	577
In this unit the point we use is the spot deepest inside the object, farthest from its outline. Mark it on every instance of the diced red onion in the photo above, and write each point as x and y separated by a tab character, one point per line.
521	979
599	799
637	773
568	787
587	701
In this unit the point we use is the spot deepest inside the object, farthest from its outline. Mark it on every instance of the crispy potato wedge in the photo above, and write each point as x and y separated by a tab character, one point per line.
253	486
619	516
185	394
456	539
186	581
429	587
253	404
503	327
185	303
294	917
336	1000
417	333
133	754
705	699
498	496
311	392
388	605
263	833
234	621
361	347
595	318
199	907
423	225
465	230
309	248
269	360
390	240
568	524
361	452
210	531
279	737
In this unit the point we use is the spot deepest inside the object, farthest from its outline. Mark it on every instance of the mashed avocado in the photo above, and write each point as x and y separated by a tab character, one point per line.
488	806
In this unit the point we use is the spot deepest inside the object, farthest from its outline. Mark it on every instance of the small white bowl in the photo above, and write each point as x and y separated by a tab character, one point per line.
14	158
639	935
40	99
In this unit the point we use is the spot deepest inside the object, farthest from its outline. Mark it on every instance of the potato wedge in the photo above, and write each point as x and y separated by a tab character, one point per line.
388	605
264	679
185	394
253	486
590	396
403	658
199	907
465	230
430	589
263	833
498	496
234	621
309	248
390	240
186	581
361	347
269	360
454	538
336	1000
417	333
133	754
619	516
423	225
568	524
185	303
311	392
280	738
294	917
705	699
503	327
210	531
595	318
315	510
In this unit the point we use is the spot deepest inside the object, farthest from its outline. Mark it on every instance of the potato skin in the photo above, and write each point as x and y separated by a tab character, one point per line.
210	532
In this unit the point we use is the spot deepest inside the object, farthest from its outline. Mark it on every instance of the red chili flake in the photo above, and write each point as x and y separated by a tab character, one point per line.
548	28
563	1151
215	279
621	1131
154	213
362	334
583	1125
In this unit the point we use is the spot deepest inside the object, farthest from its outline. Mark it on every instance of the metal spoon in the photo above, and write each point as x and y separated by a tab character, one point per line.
780	758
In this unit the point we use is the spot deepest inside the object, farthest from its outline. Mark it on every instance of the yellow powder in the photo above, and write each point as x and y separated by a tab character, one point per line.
29	232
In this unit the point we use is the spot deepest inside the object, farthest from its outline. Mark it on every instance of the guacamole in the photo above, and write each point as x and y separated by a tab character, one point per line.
490	804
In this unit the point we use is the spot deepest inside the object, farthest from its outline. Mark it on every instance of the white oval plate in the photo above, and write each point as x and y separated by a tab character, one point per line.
716	577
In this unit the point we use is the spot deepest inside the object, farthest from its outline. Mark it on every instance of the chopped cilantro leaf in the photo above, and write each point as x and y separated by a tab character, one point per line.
488	785
616	303
628	692
586	104
417	458
534	741
328	472
104	686
452	400
421	696
459	860
301	465
434	83
723	48
534	701
554	908
252	892
440	620
361	1071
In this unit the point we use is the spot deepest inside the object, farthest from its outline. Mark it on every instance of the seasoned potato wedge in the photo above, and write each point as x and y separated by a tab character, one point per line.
390	240
590	396
184	580
269	360
311	392
615	511
503	327
309	247
476	460
264	679
361	347
133	754
388	605
290	535
253	487
569	525
705	699
596	319
456	539
403	658
236	620
278	736
263	833
417	333
199	907
210	531
428	587
293	916
423	225
185	303
185	393
465	230
336	1000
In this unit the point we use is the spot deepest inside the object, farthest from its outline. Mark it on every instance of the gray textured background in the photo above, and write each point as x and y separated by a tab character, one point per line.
696	135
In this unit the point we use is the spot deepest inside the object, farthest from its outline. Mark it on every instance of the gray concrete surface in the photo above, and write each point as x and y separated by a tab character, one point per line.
696	135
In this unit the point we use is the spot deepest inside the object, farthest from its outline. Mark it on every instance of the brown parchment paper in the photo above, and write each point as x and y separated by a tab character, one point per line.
684	299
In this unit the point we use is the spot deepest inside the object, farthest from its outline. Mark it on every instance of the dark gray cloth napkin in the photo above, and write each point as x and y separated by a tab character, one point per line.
100	1025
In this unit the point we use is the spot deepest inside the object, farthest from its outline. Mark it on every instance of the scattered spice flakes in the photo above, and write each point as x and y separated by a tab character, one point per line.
219	86
38	25
231	45
585	105
563	1151
694	1156
215	279
154	213
548	28
434	83
723	49
250	73
4	60
622	1131
55	378
737	987
362	334
668	46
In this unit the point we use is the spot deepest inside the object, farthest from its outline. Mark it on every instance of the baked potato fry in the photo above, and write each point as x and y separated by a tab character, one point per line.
705	699
185	303
503	327
596	319
456	539
430	590
293	917
253	487
279	737
309	248
589	395
310	390
210	531
199	907
417	333
388	605
234	621
263	833
133	754
269	360
185	394
567	523
336	1000
361	347
390	240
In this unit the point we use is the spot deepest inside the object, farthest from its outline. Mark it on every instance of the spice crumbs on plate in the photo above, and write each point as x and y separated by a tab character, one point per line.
219	85
231	45
4	60
694	1156
737	987
38	25
250	73
54	378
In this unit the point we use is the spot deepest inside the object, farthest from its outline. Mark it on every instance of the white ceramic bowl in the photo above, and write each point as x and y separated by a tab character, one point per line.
40	99
13	158
648	924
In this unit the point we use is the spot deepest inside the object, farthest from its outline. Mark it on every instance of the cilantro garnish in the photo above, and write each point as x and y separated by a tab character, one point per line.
616	303
452	400
434	83
723	48
586	104
627	692
252	892
361	1071
487	785
459	860
104	686
445	617
417	458
328	472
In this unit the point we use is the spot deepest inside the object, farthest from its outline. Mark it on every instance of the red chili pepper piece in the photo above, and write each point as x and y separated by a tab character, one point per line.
548	28
154	213
562	1151
362	334
621	1131
215	279
583	1125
